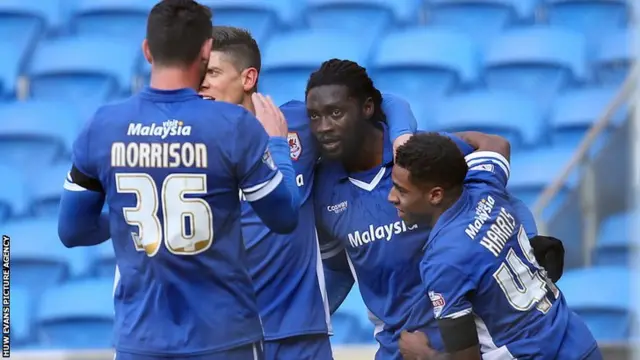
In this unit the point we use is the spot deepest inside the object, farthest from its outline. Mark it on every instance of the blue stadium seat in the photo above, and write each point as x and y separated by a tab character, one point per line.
355	15
104	260
536	61
606	308
11	62
593	18
480	19
38	258
533	170
13	193
515	117
574	112
350	322
77	315
260	17
46	190
614	57
289	59
123	18
22	308
423	64
27	138
615	240
100	67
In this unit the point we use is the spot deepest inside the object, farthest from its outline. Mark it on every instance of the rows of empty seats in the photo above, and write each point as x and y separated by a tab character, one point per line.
538	72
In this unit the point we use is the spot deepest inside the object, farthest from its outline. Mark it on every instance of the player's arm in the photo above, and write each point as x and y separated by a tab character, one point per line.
402	123
266	175
449	289
80	218
489	163
338	276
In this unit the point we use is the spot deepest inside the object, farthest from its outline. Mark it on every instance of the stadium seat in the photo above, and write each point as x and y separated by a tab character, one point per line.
536	61
21	308
104	260
77	315
443	61
574	112
13	194
592	18
614	58
100	67
606	308
480	19
46	190
11	62
38	258
615	240
356	15
350	322
260	17
28	139
123	18
532	170
289	59
515	117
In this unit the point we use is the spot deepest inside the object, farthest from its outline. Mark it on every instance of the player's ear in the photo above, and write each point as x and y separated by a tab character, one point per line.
249	79
368	108
436	194
146	51
205	50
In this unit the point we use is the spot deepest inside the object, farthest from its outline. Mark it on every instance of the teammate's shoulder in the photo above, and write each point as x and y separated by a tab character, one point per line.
295	112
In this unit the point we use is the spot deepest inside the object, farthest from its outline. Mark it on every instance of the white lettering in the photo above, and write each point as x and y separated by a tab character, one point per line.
159	155
384	232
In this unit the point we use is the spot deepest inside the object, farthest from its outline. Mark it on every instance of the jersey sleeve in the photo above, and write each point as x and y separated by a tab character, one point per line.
83	174
462	145
256	170
525	216
488	167
448	289
399	116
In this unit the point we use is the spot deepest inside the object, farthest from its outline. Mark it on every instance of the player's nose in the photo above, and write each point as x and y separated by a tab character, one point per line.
392	197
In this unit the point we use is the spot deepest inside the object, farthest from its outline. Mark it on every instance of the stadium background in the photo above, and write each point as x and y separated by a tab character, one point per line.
553	76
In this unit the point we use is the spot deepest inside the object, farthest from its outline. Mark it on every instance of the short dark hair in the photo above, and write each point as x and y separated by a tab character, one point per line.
351	75
176	30
432	158
239	44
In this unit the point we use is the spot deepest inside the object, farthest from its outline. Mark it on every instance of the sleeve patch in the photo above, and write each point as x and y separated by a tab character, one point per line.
437	300
267	159
483	167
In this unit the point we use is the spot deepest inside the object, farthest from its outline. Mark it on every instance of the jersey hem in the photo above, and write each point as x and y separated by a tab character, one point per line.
212	350
286	335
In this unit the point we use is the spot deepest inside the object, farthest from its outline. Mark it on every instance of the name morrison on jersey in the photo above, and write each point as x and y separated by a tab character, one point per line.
159	155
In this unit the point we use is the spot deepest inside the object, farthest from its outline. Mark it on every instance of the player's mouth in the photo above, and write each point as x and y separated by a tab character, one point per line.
208	97
331	145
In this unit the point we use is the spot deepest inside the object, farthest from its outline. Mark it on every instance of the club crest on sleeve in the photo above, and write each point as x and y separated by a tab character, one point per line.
268	159
295	148
437	301
483	167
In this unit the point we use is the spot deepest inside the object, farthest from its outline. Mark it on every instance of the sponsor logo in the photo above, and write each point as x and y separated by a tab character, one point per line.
384	232
438	303
483	213
338	208
167	128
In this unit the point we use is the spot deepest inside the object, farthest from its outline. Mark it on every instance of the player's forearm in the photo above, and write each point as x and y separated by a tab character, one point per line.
81	221
462	145
400	118
486	142
279	209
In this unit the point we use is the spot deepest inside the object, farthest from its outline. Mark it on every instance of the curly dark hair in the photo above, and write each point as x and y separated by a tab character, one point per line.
351	75
433	159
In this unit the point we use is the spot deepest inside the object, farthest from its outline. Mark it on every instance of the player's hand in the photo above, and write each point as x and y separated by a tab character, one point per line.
415	346
399	141
269	115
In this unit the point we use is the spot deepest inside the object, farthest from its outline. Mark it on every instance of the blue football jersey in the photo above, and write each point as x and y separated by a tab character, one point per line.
478	260
353	214
171	165
287	269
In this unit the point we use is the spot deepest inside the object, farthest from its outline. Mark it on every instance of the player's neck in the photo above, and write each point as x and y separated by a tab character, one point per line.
170	78
446	204
371	150
248	104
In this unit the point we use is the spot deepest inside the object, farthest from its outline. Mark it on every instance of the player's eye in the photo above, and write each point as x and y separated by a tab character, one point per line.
336	113
313	117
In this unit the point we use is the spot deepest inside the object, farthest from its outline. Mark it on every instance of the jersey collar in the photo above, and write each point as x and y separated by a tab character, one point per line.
387	153
168	95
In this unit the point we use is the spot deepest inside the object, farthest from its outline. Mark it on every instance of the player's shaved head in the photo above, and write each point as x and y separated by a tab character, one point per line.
177	30
428	174
344	108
